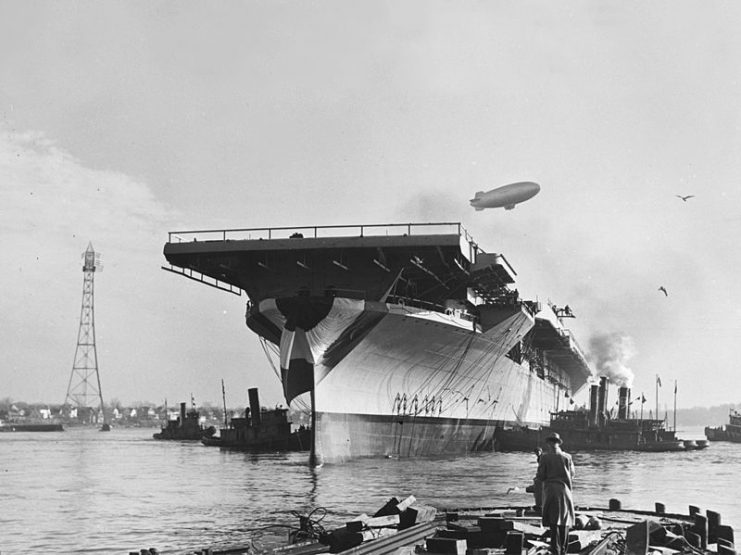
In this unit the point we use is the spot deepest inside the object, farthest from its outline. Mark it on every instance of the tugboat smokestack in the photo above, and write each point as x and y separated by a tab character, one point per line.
182	414
624	393
254	406
593	408
602	398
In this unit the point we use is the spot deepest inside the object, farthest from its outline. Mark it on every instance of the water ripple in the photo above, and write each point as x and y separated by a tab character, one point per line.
85	492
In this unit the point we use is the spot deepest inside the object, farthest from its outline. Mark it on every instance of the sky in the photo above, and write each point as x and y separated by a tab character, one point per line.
122	121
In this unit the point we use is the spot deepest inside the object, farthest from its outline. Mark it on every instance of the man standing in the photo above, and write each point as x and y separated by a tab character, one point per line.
556	472
537	487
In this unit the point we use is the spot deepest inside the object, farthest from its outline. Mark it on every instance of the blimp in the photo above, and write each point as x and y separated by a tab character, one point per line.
506	196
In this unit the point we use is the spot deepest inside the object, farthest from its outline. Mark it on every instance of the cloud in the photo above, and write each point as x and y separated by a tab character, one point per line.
157	336
46	190
51	207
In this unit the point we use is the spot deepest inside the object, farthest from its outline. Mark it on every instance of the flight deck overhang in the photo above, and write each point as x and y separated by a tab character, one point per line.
561	348
430	262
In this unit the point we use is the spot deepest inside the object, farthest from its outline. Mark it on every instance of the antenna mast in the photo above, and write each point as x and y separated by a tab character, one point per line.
84	391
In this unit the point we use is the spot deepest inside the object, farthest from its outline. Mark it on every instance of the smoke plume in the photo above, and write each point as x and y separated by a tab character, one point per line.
609	353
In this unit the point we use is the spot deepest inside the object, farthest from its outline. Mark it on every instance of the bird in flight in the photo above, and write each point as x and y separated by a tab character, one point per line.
663	290
685	197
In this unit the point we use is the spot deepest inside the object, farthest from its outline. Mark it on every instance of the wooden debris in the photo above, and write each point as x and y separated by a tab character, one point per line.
449	546
409	528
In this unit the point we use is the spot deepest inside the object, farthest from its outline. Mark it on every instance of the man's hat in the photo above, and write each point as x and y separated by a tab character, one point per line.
554	437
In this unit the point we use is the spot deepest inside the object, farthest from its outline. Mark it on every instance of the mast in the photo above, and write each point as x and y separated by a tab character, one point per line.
223	398
658	383
675	405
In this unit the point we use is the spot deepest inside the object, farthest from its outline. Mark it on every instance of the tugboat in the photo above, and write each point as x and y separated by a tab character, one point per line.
729	432
261	430
186	427
597	430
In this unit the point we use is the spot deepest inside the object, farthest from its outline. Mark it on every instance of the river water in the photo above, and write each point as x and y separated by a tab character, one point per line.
83	491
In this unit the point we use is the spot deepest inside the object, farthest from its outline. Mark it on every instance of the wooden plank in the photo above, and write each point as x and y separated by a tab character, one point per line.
416	514
580	539
528	528
450	546
357	524
409	501
381	521
375	533
305	548
390	544
636	539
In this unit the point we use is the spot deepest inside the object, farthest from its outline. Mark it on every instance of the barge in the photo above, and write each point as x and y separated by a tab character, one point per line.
27	427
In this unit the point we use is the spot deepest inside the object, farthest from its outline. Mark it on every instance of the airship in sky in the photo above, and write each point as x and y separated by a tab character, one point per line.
506	196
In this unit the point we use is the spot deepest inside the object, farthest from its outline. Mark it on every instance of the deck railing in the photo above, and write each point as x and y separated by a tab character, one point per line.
237	234
573	343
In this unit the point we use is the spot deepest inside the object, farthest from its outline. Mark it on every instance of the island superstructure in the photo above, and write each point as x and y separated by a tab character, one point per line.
408	339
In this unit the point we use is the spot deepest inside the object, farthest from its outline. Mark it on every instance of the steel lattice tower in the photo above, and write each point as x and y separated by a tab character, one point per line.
83	391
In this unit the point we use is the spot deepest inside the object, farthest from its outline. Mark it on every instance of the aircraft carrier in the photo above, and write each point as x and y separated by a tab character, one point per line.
405	339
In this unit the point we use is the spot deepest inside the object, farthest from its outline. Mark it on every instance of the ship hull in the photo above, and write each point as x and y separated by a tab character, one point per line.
342	436
723	434
390	380
299	440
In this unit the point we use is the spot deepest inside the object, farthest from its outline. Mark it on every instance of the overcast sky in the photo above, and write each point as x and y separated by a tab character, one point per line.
121	121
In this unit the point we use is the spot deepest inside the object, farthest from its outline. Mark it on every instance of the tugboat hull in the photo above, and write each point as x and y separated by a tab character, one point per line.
729	432
261	429
186	428
596	430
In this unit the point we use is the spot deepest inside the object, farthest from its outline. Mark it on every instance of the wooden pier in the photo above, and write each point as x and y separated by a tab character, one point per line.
405	527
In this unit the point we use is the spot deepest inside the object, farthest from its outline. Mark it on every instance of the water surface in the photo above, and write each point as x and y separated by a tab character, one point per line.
83	491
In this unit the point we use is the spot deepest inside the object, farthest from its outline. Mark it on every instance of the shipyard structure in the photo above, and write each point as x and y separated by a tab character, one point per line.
405	339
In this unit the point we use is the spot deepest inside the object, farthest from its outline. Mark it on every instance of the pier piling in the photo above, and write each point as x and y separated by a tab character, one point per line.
713	523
